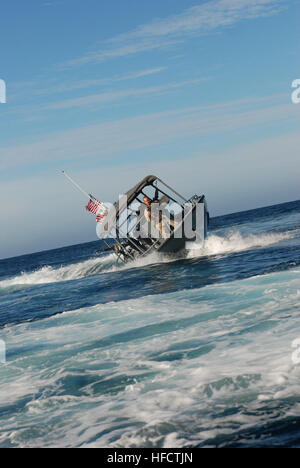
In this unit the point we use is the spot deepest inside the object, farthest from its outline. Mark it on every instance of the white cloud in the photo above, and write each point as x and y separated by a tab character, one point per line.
209	15
200	19
120	50
104	140
83	84
109	96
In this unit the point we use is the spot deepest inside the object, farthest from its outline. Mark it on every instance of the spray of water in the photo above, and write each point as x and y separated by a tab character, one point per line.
214	245
236	242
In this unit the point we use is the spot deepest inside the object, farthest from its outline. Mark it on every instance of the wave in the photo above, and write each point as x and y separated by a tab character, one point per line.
236	242
49	274
156	366
214	245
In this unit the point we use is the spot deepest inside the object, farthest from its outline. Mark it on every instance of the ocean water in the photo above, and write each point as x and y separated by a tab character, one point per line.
169	352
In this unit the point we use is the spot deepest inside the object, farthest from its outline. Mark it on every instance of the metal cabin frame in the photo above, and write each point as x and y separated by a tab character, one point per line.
125	244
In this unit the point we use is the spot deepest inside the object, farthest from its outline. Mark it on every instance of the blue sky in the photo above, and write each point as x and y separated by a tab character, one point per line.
197	92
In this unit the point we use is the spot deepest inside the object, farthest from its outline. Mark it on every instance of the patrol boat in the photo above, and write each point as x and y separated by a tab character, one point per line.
153	217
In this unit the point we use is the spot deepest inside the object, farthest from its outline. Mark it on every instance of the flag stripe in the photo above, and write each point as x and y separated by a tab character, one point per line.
93	206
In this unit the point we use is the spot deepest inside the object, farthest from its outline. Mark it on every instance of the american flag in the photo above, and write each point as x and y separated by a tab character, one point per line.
97	208
93	205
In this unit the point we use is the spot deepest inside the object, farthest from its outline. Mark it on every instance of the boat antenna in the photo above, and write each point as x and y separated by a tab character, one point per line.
75	184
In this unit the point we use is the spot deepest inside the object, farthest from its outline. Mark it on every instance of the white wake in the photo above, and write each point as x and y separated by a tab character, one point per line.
48	274
236	242
214	245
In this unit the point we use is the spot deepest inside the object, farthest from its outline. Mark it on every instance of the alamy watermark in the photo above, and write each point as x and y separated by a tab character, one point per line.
155	221
296	353
2	92
2	352
296	93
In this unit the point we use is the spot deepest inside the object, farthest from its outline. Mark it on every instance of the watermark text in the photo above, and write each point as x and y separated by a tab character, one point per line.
296	93
154	221
2	92
296	353
2	352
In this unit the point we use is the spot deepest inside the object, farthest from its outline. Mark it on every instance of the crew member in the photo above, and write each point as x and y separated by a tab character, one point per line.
157	217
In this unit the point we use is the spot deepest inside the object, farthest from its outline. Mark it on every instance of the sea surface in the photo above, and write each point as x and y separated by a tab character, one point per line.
202	351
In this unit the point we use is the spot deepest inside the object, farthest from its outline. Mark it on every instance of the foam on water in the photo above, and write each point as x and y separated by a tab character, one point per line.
186	368
236	242
70	272
214	245
199	352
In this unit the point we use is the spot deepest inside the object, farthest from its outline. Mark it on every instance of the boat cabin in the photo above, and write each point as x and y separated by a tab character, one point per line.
153	217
